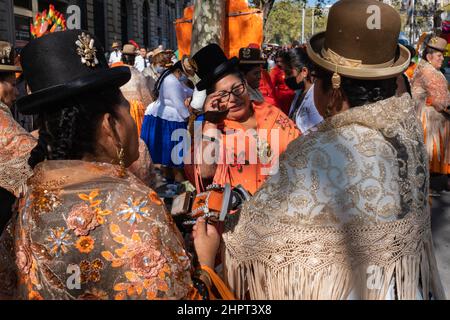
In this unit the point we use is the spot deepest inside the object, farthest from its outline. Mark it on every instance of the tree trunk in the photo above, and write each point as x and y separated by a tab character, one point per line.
266	8
208	25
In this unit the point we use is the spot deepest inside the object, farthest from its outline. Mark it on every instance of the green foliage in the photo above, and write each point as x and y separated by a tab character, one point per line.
284	23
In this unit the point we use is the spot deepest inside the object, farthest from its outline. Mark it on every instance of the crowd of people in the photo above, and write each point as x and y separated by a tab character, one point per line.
335	140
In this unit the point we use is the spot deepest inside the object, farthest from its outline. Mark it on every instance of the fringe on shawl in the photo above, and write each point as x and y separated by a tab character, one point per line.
414	276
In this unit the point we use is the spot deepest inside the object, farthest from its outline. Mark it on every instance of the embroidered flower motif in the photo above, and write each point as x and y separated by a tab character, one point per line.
149	268
86	50
85	244
94	276
146	261
97	264
94	294
59	240
283	122
134	211
90	270
82	219
95	205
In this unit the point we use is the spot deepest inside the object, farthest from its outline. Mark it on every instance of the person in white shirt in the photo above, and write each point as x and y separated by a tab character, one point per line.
163	117
300	79
116	54
141	61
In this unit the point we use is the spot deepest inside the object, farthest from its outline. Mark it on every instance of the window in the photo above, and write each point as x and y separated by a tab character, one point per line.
124	20
27	4
146	26
159	36
99	21
158	7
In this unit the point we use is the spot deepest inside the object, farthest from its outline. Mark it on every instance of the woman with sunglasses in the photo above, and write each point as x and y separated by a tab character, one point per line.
249	138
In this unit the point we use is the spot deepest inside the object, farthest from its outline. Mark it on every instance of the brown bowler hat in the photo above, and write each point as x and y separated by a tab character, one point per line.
129	49
361	42
7	54
438	44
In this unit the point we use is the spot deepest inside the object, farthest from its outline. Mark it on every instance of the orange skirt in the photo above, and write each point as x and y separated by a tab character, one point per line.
137	111
439	156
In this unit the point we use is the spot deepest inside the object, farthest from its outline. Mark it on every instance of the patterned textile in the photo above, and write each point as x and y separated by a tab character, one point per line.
430	92
346	217
85	233
15	148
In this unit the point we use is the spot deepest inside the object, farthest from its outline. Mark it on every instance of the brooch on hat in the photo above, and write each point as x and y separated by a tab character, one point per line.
86	50
246	53
5	55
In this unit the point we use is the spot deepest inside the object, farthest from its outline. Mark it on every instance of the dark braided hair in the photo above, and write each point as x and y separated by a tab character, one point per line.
69	132
128	59
359	92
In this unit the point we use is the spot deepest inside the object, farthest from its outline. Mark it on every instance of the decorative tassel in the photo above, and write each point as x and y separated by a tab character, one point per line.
336	79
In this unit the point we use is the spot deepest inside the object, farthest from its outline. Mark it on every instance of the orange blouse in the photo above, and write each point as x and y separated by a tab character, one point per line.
251	165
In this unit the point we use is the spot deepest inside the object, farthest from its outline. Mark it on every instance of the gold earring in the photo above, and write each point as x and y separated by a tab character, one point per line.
121	157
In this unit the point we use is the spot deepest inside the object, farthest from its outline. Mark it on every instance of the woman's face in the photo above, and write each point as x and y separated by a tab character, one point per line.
238	102
8	90
436	59
253	77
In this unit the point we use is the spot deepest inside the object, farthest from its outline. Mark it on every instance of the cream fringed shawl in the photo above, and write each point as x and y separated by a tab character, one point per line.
346	216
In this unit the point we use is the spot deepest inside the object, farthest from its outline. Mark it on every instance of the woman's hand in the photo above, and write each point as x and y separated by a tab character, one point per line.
215	113
212	102
206	242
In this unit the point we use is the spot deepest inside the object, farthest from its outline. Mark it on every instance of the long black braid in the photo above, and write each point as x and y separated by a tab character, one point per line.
69	133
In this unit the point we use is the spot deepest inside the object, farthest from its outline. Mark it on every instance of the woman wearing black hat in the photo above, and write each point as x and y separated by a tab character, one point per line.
87	228
260	132
347	216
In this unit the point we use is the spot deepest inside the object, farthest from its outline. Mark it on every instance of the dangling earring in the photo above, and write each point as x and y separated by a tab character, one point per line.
121	157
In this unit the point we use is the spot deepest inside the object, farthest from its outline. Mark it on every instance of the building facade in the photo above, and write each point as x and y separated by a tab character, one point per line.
148	22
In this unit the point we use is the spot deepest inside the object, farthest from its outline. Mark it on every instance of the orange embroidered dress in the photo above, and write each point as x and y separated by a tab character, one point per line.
16	145
431	95
274	133
85	232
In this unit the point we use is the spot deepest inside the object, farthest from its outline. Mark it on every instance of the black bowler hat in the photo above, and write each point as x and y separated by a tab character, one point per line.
61	65
212	65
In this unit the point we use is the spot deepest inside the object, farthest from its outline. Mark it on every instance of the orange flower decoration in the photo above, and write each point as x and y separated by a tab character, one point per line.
85	244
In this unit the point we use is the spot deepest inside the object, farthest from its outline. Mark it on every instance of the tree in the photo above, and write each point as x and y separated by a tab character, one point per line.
266	6
208	25
285	21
